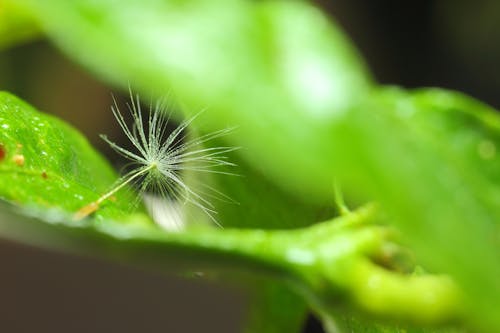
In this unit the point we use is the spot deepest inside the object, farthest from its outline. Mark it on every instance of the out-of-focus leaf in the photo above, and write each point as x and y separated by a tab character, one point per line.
274	308
16	24
430	156
248	198
273	69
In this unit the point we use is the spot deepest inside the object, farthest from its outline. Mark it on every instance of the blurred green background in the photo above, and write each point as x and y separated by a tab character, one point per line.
450	44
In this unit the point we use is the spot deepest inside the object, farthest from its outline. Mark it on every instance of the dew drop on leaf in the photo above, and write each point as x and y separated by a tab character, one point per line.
486	149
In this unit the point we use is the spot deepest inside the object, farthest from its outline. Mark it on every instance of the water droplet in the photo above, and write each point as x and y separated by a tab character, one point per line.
300	256
486	149
5	126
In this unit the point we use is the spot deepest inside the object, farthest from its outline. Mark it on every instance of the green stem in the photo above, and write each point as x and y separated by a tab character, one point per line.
324	262
422	299
339	199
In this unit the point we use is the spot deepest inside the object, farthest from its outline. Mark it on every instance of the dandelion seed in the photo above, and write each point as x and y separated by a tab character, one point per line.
159	158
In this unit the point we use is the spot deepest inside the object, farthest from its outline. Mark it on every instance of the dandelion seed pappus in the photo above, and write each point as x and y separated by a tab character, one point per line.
157	160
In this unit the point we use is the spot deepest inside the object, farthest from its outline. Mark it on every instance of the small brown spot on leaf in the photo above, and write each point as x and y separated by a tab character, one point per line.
44	175
18	159
3	152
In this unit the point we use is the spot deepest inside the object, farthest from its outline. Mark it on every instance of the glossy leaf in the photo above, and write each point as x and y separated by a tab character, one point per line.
48	164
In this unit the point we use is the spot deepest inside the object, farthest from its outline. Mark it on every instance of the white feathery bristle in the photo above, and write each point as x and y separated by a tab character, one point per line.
159	158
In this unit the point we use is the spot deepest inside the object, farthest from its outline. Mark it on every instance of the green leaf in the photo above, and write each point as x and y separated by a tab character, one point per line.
16	24
279	69
251	199
48	164
441	153
274	308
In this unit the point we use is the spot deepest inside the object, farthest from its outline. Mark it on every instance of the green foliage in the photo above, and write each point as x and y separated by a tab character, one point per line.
16	24
47	163
306	112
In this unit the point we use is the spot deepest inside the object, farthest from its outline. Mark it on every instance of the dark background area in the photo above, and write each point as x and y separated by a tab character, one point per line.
446	43
453	44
